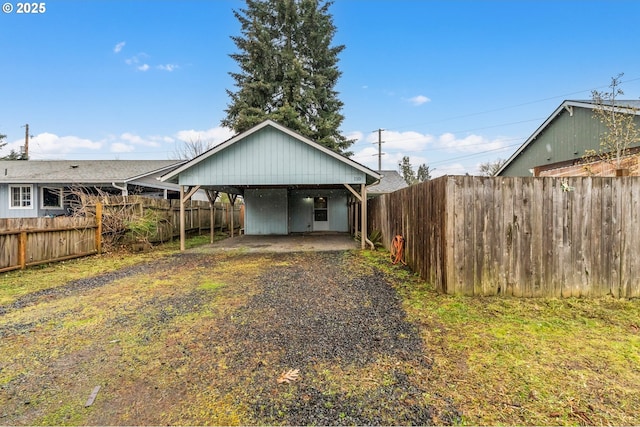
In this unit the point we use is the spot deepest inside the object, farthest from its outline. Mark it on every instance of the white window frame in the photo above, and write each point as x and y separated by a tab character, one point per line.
21	187
52	189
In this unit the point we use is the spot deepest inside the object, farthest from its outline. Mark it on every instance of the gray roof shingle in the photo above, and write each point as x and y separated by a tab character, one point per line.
80	171
390	182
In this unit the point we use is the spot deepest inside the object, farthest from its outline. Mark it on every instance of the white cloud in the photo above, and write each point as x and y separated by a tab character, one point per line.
168	67
446	154
470	143
120	147
212	136
49	145
119	47
137	61
140	62
396	145
356	136
407	141
450	169
419	100
138	140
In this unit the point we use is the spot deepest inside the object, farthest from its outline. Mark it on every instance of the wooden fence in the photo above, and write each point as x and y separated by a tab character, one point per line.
166	214
26	242
521	236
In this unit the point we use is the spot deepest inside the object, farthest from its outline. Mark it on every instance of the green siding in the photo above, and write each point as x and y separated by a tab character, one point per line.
567	137
270	157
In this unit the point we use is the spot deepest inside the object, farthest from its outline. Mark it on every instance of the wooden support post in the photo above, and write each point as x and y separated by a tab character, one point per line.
212	196
99	227
363	212
183	199
22	249
182	220
232	200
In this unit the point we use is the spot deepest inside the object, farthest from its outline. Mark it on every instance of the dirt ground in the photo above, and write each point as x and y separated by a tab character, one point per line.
258	331
202	338
290	243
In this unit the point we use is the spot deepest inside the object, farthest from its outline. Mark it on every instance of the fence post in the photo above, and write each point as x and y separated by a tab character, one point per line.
22	249
99	227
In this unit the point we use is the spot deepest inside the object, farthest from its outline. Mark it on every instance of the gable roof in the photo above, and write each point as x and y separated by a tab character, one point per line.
81	171
390	182
174	175
566	105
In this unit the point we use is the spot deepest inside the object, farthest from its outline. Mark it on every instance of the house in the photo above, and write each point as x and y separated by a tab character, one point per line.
391	181
33	188
558	146
289	183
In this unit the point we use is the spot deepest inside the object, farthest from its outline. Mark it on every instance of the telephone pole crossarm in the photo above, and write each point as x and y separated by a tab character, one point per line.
380	153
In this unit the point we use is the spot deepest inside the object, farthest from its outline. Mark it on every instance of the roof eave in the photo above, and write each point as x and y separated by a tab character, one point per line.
173	175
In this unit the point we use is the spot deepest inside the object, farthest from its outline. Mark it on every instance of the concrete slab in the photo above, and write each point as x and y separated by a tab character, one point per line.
291	243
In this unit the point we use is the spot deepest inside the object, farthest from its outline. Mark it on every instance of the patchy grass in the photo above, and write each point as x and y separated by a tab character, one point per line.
17	283
541	361
168	345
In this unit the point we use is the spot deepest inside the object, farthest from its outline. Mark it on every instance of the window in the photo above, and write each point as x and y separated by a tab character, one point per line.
51	198
320	209
20	197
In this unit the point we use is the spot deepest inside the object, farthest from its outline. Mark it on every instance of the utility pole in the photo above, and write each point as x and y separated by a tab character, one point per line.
26	141
380	153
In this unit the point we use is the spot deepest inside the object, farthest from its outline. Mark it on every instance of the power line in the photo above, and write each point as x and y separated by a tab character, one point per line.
563	96
467	156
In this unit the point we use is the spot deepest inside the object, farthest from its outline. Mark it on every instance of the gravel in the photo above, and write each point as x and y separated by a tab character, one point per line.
307	311
315	312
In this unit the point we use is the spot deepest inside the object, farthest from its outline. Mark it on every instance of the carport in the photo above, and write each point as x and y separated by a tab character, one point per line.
289	183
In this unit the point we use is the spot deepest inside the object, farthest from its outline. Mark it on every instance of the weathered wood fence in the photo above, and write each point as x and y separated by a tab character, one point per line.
521	236
26	242
166	214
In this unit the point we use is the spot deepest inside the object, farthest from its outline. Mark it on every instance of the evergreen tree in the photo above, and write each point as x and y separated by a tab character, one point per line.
424	173
288	70
407	172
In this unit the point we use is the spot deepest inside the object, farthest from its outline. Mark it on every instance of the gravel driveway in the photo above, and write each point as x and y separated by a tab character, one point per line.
317	313
339	324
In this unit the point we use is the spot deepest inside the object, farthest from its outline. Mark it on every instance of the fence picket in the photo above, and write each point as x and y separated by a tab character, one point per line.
521	236
32	241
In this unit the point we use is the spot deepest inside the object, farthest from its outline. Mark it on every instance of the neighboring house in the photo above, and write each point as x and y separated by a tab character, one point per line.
557	147
391	181
33	188
289	183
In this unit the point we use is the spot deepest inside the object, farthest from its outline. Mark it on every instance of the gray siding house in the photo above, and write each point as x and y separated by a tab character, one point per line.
34	188
289	183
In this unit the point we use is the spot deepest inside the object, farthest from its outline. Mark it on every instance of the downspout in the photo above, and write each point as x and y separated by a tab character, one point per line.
124	190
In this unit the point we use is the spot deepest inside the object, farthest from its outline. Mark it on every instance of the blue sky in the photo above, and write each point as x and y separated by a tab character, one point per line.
453	83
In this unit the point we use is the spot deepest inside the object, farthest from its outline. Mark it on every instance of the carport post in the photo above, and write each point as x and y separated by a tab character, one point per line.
182	245
232	200
183	200
212	196
363	213
362	198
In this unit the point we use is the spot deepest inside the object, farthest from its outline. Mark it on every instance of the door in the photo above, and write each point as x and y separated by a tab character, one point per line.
320	214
